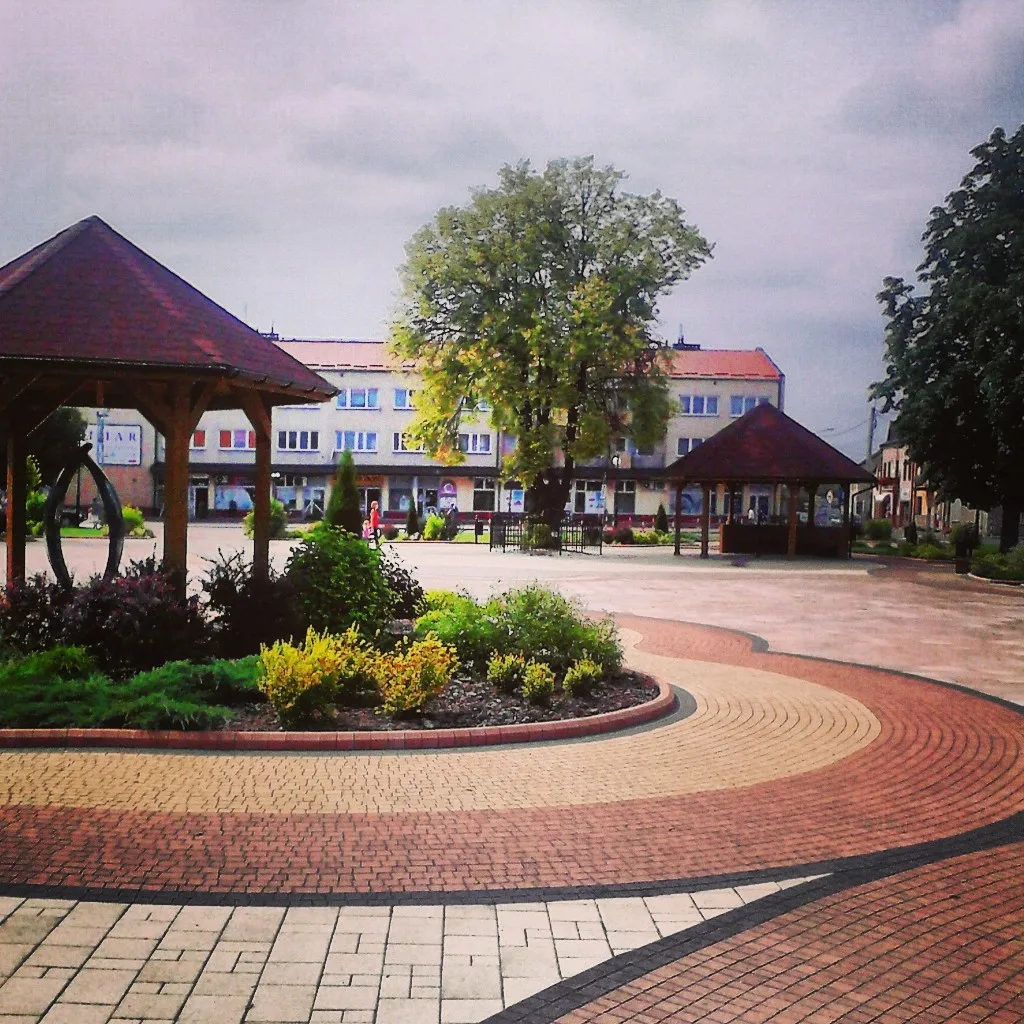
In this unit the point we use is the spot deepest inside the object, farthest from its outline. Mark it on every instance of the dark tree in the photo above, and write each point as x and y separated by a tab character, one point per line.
343	507
955	352
52	443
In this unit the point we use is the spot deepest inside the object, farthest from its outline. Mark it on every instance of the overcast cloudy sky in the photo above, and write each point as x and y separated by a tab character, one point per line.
279	153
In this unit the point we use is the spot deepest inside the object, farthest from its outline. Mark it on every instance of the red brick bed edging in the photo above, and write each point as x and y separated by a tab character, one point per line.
398	739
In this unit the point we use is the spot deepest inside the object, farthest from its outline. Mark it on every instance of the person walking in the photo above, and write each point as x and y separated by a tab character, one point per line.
375	523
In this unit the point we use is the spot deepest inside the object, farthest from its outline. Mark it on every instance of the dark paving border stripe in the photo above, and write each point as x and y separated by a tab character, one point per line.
582	989
874	865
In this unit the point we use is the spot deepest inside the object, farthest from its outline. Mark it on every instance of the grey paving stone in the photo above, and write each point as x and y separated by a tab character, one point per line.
98	986
282	1003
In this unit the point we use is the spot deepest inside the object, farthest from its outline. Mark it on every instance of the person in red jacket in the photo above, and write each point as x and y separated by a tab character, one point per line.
375	523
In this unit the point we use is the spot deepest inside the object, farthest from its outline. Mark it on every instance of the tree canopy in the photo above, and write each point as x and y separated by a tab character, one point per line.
536	302
955	351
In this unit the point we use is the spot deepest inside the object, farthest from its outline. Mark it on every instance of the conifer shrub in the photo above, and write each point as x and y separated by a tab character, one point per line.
344	510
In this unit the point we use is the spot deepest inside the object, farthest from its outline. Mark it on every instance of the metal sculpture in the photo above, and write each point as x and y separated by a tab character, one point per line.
111	511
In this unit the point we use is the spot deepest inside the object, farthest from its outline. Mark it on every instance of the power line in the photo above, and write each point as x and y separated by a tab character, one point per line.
845	430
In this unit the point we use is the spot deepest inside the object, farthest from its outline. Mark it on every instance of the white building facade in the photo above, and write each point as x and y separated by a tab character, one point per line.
370	417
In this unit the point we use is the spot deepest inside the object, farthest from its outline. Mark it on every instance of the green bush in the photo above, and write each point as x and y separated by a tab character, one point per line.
506	672
337	582
344	509
878	529
61	687
390	532
433	527
278	521
582	677
537	622
995	566
965	534
34	502
661	520
539	537
132	519
415	674
460	622
404	587
650	537
538	682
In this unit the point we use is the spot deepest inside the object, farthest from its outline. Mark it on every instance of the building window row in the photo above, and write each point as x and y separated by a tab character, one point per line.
358	398
475	444
687	444
740	404
698	405
402	442
234	440
298	440
355	440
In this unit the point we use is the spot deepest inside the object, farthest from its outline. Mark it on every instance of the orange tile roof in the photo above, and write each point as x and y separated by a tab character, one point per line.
721	363
340	354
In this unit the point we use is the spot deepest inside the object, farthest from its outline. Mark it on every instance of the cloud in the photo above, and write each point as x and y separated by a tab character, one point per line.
279	154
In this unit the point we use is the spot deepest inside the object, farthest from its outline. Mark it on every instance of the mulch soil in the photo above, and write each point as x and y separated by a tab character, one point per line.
470	703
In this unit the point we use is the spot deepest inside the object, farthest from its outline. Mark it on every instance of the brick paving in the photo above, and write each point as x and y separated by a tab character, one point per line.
938	943
906	792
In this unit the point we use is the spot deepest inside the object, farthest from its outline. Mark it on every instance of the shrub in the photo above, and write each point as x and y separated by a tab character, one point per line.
505	672
404	587
539	537
661	520
390	532
278	521
646	537
411	677
622	535
537	622
134	622
932	552
878	529
538	682
223	681
337	583
461	623
344	509
995	566
132	519
433	527
412	521
582	677
304	683
34	502
246	612
31	613
964	535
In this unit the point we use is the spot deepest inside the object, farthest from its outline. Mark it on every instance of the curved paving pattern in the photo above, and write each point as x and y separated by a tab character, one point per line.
789	761
938	943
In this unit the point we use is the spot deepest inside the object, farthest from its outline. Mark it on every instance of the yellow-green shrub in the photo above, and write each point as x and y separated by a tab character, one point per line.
409	677
305	682
505	672
538	682
581	677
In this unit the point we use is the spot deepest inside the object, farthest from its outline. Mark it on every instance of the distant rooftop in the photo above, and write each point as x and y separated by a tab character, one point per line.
690	362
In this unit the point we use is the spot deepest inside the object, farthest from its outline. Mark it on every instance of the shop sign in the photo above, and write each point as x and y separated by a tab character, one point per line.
122	444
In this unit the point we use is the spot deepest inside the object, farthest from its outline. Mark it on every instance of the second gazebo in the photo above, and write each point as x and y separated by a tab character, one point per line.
766	447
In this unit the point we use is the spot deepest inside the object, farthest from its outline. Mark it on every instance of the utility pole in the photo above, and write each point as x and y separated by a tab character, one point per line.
872	424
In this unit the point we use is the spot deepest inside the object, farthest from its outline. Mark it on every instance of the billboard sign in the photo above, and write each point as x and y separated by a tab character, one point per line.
122	444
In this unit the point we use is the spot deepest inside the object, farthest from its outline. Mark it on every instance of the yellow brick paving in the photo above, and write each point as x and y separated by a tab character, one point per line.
750	726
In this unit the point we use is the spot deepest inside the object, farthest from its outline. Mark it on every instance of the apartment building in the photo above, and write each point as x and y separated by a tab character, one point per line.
370	417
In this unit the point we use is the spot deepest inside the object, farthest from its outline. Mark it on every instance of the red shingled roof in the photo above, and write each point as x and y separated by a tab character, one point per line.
340	354
89	297
766	446
721	364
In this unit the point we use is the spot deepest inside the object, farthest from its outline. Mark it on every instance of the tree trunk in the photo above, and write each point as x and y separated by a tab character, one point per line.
547	495
1009	533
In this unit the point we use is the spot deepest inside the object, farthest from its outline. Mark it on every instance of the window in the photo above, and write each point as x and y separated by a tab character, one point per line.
298	440
403	443
740	404
243	440
682	446
483	406
199	439
359	398
475	444
696	443
625	497
483	494
355	440
698	405
589	497
403	398
620	444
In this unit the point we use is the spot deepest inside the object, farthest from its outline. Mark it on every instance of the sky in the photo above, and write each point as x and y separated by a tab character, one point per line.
278	154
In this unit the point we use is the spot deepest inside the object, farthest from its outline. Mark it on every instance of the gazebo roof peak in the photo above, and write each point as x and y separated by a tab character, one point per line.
766	446
90	299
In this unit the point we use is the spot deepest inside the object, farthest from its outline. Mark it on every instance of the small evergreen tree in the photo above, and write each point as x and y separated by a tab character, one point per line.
661	520
343	509
412	521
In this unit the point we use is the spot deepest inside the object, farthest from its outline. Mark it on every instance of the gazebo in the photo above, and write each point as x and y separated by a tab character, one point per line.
766	447
88	318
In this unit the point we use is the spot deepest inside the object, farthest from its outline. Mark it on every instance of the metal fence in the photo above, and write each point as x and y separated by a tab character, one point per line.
514	531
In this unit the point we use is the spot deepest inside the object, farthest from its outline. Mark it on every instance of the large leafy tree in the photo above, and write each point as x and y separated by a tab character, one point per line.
52	442
955	351
539	298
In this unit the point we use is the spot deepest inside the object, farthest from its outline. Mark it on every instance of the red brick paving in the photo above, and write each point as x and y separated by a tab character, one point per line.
945	762
940	943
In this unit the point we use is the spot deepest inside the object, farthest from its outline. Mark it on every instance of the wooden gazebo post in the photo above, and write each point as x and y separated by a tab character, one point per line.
679	514
793	488
15	501
258	411
705	519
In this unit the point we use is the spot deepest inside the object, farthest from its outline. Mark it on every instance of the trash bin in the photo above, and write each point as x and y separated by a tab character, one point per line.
478	530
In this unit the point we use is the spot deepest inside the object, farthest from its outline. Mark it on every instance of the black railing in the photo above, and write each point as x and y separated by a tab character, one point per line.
514	531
